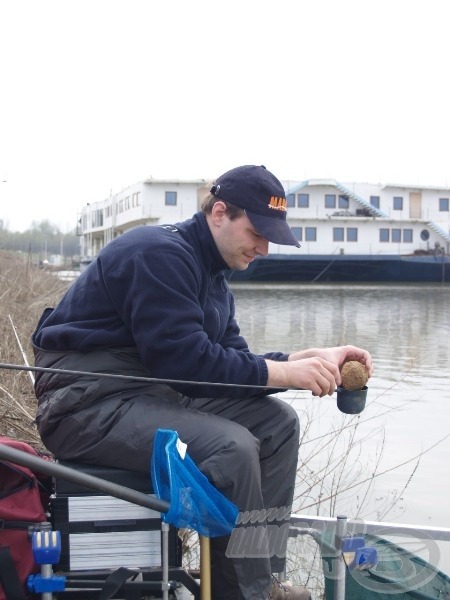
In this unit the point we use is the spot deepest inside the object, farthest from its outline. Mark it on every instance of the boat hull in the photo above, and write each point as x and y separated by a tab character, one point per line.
399	574
316	268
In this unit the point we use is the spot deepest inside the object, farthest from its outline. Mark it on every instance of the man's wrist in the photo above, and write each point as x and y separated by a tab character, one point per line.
277	374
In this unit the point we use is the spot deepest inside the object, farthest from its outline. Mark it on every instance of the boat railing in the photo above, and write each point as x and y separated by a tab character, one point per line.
338	537
362	527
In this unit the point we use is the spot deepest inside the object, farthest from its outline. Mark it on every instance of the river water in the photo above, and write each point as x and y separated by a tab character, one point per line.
391	463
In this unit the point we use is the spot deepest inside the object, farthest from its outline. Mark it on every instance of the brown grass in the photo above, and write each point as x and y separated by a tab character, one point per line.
25	291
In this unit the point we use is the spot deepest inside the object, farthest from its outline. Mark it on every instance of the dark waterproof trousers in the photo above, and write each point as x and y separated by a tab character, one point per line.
247	447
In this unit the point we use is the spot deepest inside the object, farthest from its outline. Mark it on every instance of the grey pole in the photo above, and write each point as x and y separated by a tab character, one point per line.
94	483
339	582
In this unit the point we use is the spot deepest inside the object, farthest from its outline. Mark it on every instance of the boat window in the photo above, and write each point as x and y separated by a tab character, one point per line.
171	198
352	234
443	204
397	235
375	201
408	236
398	203
330	200
384	234
303	200
310	234
298	232
97	218
290	200
135	200
343	201
338	234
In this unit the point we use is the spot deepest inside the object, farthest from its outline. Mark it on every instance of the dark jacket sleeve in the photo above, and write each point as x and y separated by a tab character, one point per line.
175	338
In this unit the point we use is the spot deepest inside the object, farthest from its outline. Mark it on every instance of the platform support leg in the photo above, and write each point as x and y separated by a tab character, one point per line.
339	582
165	560
205	568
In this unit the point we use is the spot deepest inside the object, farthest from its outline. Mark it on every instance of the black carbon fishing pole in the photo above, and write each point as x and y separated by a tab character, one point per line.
131	377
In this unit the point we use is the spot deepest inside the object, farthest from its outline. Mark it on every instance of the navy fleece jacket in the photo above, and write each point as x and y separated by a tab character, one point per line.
161	289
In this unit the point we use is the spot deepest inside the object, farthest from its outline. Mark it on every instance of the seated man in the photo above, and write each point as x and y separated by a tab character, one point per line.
155	303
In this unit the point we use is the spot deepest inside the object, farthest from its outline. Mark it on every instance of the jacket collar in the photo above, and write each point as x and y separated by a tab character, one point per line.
206	244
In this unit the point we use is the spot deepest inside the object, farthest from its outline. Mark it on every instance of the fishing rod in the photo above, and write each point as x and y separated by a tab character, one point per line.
10	366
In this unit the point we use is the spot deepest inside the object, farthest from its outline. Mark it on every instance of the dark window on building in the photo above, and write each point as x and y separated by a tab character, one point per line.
384	235
408	236
303	200
375	201
290	200
443	204
97	218
298	232
330	200
338	234
352	234
344	202
397	235
398	203
171	198
310	234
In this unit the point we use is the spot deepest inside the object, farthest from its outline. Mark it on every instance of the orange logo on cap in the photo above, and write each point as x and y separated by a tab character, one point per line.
278	203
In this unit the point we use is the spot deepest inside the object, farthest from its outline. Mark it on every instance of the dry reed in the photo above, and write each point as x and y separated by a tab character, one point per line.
25	291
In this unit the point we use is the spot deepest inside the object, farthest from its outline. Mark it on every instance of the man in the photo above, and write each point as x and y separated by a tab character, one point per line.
155	303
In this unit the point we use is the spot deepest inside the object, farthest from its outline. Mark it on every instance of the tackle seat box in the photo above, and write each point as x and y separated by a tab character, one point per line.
101	532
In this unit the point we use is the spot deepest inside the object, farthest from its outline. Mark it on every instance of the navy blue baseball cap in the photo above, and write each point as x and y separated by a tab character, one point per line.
261	195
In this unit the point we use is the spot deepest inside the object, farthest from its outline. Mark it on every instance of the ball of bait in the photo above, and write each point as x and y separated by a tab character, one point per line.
354	375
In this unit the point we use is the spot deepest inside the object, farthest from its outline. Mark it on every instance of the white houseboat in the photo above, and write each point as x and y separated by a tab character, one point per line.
352	232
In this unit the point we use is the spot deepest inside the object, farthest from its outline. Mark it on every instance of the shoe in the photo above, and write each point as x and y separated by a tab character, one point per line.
285	591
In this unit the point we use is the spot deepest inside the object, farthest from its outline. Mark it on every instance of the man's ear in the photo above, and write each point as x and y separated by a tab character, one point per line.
218	212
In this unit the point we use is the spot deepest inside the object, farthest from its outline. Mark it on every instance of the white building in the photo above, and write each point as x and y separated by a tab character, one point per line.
327	217
149	202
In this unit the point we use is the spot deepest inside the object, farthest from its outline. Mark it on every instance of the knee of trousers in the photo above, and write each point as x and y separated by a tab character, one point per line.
236	464
287	423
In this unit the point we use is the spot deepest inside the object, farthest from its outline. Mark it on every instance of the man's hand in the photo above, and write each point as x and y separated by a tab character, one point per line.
315	374
337	355
316	369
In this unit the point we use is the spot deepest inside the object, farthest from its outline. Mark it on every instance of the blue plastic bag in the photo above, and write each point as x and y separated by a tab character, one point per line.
194	502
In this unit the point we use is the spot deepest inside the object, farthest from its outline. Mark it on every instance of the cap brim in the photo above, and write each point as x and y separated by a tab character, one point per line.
275	230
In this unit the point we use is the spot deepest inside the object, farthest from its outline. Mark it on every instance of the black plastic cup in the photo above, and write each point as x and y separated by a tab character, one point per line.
351	402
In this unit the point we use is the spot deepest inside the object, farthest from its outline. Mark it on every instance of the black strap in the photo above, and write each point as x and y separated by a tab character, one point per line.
114	582
17	524
9	577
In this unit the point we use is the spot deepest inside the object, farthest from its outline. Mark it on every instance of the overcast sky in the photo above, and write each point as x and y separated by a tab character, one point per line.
99	94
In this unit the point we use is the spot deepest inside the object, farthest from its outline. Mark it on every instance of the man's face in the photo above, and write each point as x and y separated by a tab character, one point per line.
237	240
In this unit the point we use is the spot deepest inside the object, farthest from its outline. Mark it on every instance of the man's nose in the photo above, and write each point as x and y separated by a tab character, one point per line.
262	247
